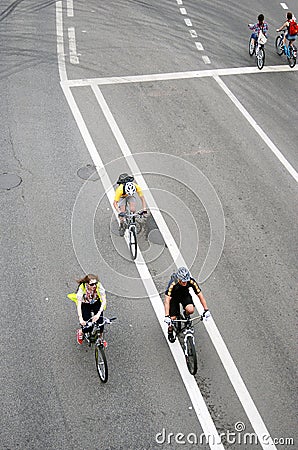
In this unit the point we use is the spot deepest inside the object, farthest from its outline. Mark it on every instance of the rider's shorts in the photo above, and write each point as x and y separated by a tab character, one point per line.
124	200
175	304
291	38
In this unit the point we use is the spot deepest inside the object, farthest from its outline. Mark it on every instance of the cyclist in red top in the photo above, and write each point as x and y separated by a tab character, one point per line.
287	35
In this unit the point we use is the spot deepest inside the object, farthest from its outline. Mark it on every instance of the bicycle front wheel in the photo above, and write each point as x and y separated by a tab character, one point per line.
279	45
133	242
191	355
101	363
292	58
251	46
260	58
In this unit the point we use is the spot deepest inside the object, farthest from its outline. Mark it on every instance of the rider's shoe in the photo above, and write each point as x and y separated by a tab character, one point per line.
79	337
171	336
121	230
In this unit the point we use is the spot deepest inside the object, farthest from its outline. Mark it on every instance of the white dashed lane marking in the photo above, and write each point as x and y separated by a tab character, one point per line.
188	22
183	11
206	59
284	6
199	46
69	6
193	33
73	56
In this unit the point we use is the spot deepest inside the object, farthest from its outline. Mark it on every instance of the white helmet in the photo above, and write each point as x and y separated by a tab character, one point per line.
130	189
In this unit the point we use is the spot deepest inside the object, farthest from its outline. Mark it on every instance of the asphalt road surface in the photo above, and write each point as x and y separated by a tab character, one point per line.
167	91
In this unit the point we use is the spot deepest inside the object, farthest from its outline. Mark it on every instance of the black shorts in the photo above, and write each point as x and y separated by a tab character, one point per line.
175	304
87	309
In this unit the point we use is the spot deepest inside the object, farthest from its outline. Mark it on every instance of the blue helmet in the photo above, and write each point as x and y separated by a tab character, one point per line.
183	274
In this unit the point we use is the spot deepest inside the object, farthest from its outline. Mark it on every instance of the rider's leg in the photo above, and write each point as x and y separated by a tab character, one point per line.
121	204
188	305
132	203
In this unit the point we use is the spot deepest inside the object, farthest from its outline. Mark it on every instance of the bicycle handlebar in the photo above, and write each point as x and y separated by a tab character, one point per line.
201	317
105	320
131	214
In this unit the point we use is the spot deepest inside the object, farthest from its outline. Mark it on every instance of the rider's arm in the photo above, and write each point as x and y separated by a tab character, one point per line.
167	305
282	27
79	309
118	193
202	300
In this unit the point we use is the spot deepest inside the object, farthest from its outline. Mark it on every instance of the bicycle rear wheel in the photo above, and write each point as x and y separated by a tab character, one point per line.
191	355
251	46
260	58
133	242
101	363
279	45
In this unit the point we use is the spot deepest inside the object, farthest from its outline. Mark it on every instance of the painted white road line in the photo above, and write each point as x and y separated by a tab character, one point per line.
60	42
258	129
179	2
192	388
237	382
193	33
206	59
183	11
179	75
188	22
73	56
199	46
69	5
284	6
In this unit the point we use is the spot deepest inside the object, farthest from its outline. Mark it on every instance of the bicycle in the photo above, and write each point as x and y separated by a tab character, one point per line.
91	335
289	50
258	48
188	341
133	228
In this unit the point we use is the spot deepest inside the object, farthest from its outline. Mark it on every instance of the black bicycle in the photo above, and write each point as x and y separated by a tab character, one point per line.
188	341
92	337
133	227
289	50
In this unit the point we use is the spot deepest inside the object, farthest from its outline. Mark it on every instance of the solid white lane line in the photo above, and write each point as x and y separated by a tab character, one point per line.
179	75
188	22
284	6
183	11
206	59
213	331
69	5
258	129
60	42
73	56
199	46
193	33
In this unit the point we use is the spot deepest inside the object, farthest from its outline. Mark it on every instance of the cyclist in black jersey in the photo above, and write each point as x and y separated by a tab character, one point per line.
178	293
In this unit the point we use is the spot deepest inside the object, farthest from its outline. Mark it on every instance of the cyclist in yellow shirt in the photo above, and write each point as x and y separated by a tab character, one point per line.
125	194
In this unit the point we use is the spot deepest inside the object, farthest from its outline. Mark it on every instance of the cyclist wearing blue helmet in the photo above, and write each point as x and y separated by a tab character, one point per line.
178	293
